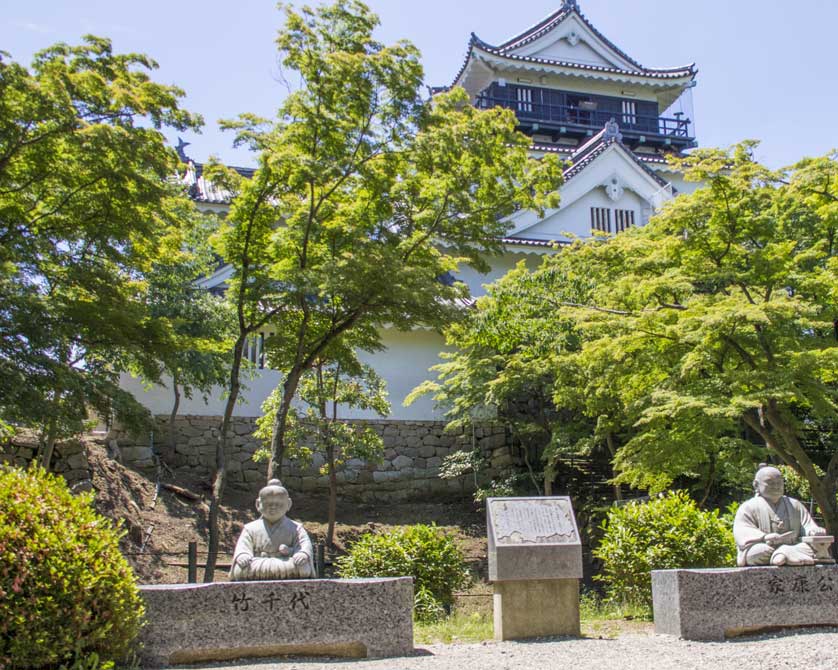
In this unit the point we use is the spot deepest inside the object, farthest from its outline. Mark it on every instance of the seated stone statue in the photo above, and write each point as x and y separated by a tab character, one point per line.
273	546
768	528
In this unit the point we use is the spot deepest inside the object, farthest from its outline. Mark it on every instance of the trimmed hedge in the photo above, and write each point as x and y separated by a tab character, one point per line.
67	595
423	552
664	533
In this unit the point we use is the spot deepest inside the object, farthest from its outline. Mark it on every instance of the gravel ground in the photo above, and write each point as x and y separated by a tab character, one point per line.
815	649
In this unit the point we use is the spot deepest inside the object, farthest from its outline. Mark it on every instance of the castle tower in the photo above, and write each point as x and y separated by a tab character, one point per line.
578	95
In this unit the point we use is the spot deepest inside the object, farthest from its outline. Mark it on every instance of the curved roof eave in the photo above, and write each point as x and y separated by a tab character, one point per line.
679	72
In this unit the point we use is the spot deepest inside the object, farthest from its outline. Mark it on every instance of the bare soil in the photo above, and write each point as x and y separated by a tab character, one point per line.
159	523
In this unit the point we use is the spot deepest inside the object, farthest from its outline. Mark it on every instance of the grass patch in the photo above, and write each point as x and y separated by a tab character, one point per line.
458	628
593	607
471	620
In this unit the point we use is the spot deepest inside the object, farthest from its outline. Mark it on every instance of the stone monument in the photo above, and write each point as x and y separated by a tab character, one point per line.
535	564
273	547
772	528
786	576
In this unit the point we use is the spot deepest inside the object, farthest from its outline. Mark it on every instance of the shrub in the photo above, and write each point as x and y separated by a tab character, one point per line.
667	532
422	552
67	595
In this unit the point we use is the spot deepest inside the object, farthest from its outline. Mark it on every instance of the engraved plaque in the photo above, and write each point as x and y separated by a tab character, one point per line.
533	521
533	539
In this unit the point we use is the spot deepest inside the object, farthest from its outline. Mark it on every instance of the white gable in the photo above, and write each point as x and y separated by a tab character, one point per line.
573	41
613	180
575	219
563	50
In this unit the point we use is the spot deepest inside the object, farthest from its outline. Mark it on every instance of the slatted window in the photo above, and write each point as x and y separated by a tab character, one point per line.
623	219
629	112
254	350
601	219
524	99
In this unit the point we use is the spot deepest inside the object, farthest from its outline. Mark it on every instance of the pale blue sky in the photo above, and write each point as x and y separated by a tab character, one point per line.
766	68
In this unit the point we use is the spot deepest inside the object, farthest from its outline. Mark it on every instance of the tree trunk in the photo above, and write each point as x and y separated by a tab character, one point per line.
780	436
220	476
173	416
333	494
49	443
612	451
280	422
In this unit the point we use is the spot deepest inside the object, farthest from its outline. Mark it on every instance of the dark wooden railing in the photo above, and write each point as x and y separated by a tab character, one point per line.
589	118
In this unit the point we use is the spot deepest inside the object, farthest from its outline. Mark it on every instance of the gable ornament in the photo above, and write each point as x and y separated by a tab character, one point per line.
572	38
614	188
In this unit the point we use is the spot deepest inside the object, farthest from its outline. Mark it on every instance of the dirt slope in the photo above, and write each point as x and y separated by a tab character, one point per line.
160	523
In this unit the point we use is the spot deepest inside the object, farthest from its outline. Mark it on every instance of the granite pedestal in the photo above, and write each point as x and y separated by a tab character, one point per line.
196	623
535	564
715	604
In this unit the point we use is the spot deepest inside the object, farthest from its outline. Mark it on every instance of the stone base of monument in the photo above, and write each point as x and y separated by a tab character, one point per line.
535	564
723	603
197	623
525	609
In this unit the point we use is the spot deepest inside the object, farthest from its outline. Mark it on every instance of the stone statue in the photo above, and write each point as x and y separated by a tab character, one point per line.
274	546
768	528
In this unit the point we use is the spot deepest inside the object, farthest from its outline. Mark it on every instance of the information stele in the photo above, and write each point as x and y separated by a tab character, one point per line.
533	539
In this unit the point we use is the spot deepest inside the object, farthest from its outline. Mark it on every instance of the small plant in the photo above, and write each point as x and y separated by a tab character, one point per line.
664	533
422	552
67	596
459	628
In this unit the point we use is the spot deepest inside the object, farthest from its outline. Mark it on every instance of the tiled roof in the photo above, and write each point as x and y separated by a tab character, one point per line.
654	73
550	23
590	151
202	190
526	242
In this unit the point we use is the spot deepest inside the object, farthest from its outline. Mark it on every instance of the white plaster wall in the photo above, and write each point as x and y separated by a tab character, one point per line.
500	266
679	183
256	386
404	364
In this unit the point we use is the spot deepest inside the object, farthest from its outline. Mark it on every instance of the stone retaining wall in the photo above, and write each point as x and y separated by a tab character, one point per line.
410	470
68	459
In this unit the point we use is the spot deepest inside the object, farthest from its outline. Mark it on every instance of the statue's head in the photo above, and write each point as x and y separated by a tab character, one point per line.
768	483
273	502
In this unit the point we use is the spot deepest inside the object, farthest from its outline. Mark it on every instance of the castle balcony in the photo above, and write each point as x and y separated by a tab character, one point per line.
564	114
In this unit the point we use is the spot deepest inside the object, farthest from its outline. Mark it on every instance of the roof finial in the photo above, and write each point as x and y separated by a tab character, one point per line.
571	4
180	148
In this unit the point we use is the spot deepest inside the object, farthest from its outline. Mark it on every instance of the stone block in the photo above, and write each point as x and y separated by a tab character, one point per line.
240	428
432	440
200	623
386	476
527	609
77	461
402	462
131	454
721	603
427	451
253	475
